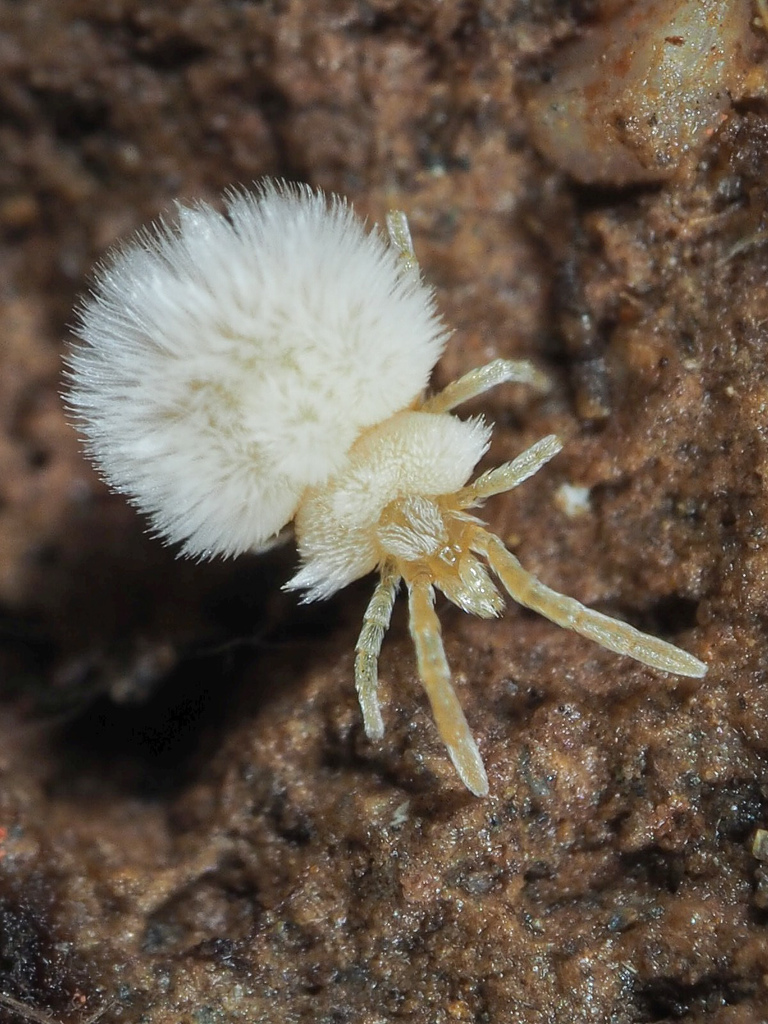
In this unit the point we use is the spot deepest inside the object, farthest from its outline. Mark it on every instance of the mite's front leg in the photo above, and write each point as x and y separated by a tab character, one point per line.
375	624
613	634
436	677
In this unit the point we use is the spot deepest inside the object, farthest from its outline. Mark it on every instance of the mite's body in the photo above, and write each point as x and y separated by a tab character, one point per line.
241	372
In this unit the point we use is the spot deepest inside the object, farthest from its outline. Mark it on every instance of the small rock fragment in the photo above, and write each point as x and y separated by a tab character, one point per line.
637	98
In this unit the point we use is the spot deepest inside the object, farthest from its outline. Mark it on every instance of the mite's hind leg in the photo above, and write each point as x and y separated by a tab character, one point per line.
483	378
436	677
511	474
375	624
400	239
571	614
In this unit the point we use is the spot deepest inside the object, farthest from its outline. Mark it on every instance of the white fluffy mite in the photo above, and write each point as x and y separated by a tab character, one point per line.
240	371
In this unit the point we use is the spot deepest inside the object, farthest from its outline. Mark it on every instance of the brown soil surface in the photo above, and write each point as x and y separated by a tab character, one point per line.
193	827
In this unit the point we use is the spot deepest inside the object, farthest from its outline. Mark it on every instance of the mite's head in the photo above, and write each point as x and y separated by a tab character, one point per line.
390	503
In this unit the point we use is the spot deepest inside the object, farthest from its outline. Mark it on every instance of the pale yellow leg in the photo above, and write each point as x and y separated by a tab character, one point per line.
511	474
436	677
400	239
483	378
567	612
375	624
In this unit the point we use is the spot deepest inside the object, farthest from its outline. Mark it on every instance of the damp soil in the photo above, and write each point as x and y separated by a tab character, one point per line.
193	826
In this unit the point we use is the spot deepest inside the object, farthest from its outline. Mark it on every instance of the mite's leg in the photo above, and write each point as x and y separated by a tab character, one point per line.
400	239
368	647
483	378
511	474
436	677
569	613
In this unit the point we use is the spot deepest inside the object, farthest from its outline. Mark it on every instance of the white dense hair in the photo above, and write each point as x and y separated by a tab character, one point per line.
229	361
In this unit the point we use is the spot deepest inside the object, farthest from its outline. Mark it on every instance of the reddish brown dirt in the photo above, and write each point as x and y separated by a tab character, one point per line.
193	827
